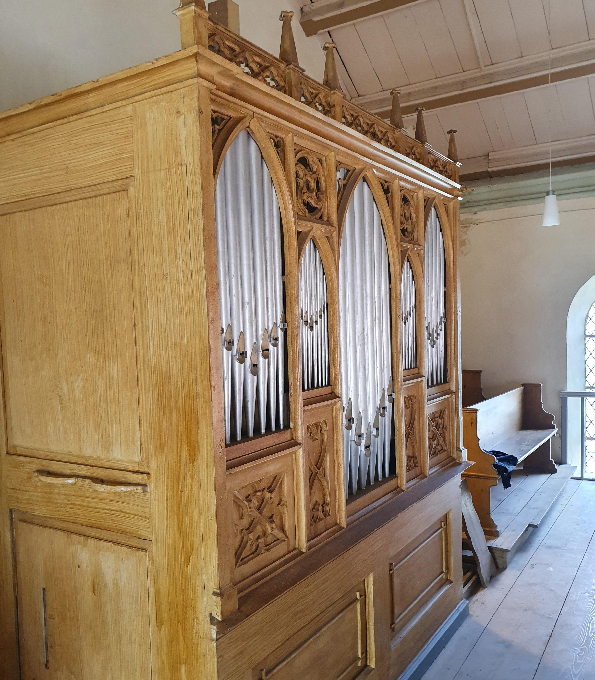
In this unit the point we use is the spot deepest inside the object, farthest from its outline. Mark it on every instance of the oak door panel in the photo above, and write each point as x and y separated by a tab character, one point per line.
68	332
83	606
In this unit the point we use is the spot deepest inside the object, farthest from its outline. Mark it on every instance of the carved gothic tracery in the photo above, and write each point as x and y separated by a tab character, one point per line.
437	433
410	404
309	184
315	95
279	144
260	518
407	216
320	500
256	63
343	176
218	122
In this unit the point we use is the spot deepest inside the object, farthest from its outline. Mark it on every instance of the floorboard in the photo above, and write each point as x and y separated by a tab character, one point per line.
528	606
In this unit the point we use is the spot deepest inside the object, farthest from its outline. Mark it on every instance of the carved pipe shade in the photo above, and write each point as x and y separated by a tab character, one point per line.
313	320
435	302
365	343
251	294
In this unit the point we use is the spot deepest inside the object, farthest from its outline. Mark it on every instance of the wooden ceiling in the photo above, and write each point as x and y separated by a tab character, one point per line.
479	66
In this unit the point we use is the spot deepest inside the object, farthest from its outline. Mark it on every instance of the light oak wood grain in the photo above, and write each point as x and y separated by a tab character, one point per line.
83	605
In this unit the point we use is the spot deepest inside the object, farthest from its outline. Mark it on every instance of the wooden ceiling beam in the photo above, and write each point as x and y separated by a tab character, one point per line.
568	63
325	15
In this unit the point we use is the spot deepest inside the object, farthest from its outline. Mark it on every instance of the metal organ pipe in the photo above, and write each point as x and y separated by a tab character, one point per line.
364	298
409	316
435	302
313	315
251	296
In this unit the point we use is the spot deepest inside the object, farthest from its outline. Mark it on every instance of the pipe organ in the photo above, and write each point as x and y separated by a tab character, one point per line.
313	314
365	340
229	365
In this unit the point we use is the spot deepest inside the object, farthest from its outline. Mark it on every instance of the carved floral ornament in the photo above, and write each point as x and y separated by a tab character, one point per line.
320	500
407	216
437	433
260	518
309	184
410	404
218	122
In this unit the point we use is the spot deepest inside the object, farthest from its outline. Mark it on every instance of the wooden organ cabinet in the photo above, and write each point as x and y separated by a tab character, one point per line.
230	376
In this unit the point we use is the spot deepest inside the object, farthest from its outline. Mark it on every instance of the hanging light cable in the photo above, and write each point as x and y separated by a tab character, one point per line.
551	218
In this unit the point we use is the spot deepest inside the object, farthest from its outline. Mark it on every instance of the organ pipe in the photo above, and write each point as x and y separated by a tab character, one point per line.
408	316
435	302
313	316
366	367
251	296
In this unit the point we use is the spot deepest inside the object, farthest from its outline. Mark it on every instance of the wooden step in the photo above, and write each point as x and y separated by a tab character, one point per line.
529	517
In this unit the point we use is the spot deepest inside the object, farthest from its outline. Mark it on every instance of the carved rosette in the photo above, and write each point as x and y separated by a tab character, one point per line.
218	122
320	499
410	409
438	433
310	186
408	216
260	518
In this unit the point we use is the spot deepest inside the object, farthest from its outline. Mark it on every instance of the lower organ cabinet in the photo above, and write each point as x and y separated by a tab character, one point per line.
83	606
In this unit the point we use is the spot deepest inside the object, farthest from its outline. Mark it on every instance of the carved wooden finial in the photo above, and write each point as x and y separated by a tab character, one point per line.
226	13
287	51
331	77
453	154
396	118
193	18
420	126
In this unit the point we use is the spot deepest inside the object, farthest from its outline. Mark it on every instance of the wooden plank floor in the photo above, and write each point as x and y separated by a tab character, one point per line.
536	620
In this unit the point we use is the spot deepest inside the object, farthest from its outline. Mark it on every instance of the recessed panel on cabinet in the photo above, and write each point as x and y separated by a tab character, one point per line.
83	606
68	332
418	573
334	646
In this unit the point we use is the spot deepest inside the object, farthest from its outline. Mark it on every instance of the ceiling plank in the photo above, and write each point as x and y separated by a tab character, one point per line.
531	26
577	107
439	45
498	29
408	40
382	53
568	22
568	63
519	122
460	31
356	60
326	15
496	123
545	112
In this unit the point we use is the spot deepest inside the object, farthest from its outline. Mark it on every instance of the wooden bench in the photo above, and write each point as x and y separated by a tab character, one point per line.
514	423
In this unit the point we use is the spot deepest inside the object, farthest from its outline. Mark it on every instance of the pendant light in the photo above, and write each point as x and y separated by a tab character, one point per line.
551	218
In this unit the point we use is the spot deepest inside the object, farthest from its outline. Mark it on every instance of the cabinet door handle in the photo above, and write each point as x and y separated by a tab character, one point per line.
95	482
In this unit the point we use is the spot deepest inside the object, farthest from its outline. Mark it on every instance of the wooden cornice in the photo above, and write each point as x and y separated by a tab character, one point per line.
328	14
568	63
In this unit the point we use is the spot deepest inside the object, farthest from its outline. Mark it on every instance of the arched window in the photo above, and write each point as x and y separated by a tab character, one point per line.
590	349
365	329
313	316
251	294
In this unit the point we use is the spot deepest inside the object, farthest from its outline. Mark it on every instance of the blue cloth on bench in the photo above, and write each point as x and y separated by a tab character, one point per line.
504	465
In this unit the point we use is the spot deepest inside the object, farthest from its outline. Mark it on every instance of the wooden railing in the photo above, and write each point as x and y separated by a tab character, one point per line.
290	80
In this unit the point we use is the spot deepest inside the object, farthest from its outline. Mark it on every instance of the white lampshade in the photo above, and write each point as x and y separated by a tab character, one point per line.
550	212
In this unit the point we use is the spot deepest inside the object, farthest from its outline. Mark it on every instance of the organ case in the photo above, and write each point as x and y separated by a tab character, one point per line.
281	332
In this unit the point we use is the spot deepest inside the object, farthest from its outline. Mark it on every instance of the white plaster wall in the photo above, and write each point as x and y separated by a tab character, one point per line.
50	45
518	280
